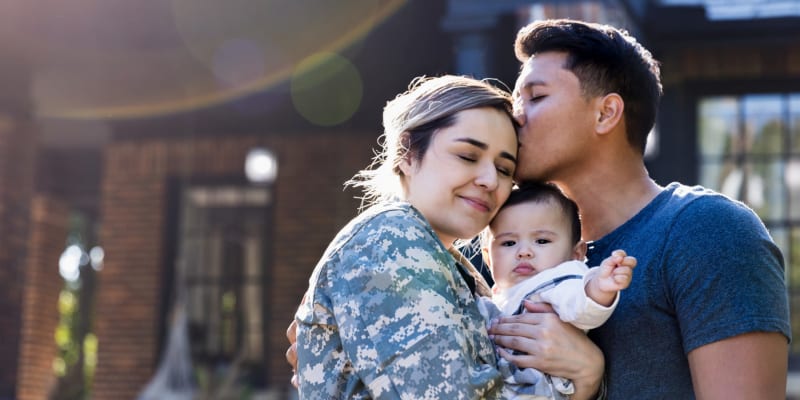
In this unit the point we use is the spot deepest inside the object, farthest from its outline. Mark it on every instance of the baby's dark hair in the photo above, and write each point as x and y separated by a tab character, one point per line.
543	192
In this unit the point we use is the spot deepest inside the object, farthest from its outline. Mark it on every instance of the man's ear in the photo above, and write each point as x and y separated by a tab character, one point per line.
579	251
610	109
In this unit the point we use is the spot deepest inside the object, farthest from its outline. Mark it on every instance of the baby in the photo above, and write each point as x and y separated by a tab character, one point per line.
534	251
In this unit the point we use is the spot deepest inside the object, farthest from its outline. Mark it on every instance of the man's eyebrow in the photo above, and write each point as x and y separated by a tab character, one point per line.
531	83
484	146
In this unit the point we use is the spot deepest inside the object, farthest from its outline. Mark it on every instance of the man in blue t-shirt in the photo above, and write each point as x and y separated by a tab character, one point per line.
706	315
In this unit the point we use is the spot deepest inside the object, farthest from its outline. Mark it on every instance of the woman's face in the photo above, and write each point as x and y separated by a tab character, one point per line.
465	175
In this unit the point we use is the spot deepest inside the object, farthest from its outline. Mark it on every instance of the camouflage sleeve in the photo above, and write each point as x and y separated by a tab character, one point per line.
407	325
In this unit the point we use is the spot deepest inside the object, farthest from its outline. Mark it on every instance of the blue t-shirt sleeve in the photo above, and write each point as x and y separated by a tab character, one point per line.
725	275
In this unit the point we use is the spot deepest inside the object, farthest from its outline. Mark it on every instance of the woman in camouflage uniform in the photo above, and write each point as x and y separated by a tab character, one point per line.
390	311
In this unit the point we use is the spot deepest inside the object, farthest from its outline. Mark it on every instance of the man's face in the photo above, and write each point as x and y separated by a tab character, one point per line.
555	119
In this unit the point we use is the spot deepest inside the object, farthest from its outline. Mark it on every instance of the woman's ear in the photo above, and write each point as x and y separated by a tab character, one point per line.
405	165
610	111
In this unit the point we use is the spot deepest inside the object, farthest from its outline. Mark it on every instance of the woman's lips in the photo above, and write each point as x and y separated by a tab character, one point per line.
477	204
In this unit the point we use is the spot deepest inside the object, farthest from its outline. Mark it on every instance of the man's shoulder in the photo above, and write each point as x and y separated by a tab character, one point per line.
698	201
710	222
682	193
692	215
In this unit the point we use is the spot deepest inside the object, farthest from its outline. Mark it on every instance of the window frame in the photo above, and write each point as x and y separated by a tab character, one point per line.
176	186
700	90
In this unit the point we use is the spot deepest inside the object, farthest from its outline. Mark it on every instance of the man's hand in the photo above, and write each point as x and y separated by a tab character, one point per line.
548	344
291	353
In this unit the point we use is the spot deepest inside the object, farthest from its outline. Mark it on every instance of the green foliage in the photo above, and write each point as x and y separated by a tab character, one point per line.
67	347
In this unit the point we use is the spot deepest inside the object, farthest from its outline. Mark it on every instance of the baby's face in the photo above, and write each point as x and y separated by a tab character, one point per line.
526	239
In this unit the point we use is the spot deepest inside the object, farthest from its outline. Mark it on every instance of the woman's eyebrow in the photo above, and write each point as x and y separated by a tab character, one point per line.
476	143
484	146
508	156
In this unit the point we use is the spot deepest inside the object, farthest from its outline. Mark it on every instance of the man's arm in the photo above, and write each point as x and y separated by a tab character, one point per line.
748	366
727	281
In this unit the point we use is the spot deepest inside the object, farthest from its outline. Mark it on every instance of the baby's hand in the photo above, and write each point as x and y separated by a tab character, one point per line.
614	274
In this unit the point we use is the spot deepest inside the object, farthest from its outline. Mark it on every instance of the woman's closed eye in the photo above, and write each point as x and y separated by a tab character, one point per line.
504	171
468	158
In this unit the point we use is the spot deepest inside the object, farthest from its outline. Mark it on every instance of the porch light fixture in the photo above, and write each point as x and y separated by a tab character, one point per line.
261	166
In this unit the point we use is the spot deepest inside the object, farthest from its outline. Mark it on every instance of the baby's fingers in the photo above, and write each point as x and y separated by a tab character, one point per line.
623	275
628	261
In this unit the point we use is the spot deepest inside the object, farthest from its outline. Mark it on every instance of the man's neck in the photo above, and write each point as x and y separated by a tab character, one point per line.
609	198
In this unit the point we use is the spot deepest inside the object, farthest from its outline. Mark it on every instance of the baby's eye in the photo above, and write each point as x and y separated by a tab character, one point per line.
507	243
543	241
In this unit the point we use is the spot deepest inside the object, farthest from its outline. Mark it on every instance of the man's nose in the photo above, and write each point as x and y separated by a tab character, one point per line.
519	112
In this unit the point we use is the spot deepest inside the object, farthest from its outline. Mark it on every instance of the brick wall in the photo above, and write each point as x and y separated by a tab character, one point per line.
42	283
17	152
730	61
309	208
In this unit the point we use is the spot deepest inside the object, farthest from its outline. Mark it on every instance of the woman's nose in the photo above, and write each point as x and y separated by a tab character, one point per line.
487	176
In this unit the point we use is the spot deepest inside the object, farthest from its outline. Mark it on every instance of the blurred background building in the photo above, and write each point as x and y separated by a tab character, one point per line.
180	163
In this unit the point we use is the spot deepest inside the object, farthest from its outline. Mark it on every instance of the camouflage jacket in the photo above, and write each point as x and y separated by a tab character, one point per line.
389	315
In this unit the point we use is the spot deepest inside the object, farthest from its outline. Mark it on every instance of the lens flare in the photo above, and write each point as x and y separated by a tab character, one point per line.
326	89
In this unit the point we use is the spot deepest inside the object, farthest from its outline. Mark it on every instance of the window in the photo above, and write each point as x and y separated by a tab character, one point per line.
749	148
219	277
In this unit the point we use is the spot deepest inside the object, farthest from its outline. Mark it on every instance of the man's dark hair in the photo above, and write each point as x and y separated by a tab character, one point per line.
605	60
